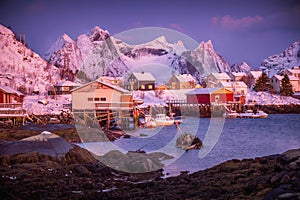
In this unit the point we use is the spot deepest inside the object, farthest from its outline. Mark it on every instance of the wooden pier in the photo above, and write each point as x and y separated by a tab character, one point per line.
12	114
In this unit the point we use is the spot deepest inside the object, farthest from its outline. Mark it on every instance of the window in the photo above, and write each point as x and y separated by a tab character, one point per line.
150	87
142	87
97	99
217	98
90	99
102	99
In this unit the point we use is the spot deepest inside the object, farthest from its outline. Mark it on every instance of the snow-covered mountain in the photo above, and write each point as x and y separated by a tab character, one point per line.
244	67
97	54
287	59
23	69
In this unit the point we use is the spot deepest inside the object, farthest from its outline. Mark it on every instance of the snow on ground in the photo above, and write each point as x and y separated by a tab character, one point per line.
265	98
40	105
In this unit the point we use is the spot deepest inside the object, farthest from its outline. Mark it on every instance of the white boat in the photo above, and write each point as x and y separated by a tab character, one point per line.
251	114
163	120
231	114
149	122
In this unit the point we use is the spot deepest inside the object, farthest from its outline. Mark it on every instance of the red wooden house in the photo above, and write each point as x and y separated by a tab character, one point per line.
209	95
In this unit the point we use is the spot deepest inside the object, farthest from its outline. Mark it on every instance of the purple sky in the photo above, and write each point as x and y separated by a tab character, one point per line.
240	30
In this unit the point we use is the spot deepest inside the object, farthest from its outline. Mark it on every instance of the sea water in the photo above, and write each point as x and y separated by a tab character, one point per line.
224	139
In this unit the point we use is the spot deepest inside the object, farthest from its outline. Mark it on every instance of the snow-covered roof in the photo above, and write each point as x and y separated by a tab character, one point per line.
115	87
225	84
294	71
256	74
202	90
292	78
67	83
143	76
237	74
223	76
185	78
10	90
104	78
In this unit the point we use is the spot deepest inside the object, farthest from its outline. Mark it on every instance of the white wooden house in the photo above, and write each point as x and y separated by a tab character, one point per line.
237	87
237	76
181	81
214	78
254	76
276	83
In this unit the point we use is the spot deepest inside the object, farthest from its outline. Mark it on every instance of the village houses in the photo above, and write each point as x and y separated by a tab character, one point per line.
214	78
254	76
181	81
140	81
237	76
276	83
237	87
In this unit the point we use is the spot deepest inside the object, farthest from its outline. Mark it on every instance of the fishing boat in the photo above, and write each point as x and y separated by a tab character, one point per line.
163	120
231	114
251	114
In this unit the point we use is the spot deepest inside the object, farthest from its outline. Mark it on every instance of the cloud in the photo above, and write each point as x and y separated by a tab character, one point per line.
229	22
34	7
137	24
176	27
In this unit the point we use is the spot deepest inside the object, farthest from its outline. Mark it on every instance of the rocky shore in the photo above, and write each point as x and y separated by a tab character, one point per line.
76	174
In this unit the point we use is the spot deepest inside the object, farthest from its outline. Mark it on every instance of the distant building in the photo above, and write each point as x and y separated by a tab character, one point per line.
254	76
276	83
112	80
237	87
293	72
209	96
238	76
10	95
65	87
214	78
181	81
140	81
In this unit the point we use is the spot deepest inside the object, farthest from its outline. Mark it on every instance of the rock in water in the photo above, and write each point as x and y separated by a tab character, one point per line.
44	143
188	141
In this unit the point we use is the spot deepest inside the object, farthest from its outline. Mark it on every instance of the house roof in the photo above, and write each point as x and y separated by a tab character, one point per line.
10	90
238	73
185	78
222	75
294	71
225	84
143	76
256	74
67	83
292	78
122	90
208	91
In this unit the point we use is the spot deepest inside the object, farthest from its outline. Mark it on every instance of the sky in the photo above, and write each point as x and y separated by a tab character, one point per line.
240	31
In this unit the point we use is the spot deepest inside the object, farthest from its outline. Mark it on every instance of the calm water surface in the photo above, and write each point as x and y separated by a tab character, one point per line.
238	139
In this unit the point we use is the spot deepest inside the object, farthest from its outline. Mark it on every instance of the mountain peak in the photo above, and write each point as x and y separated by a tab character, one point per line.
206	45
66	38
161	39
98	34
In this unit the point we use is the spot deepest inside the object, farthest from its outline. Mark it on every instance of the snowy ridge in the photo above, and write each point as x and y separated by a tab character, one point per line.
23	69
98	54
287	59
244	67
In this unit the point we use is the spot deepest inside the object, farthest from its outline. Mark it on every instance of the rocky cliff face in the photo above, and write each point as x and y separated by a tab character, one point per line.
287	59
21	68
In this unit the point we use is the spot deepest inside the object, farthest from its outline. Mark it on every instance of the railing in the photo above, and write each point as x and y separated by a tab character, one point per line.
11	105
